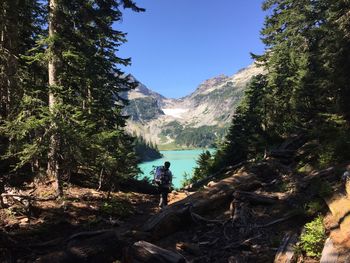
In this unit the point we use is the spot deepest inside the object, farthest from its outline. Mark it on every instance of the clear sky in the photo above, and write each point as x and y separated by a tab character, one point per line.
176	45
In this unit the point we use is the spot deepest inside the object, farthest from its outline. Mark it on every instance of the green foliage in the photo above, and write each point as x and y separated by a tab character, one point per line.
186	179
199	137
247	135
305	90
334	138
313	238
204	162
85	116
146	151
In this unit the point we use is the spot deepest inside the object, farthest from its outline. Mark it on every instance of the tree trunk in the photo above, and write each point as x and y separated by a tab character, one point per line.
54	158
9	56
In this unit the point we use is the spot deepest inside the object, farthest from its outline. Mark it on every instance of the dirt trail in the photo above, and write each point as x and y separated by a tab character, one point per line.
81	210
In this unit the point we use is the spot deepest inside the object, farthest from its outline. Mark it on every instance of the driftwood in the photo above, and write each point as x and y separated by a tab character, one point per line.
255	199
286	251
143	251
178	215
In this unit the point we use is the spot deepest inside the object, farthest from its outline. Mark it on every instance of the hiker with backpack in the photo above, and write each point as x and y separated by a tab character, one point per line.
163	179
346	179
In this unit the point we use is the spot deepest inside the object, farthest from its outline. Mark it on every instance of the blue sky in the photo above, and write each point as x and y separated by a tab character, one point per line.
176	45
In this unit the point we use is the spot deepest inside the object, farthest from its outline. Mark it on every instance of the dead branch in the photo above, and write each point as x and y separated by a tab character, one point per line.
277	221
254	198
241	243
197	218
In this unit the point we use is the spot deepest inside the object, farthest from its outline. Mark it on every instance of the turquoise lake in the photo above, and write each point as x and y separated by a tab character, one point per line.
181	162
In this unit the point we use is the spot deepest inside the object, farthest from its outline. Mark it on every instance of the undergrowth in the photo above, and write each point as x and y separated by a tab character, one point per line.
313	238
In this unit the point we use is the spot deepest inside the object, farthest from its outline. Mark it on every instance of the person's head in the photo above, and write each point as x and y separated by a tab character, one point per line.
167	165
348	167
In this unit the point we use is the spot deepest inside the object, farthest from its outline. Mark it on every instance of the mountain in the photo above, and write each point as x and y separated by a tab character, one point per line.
196	120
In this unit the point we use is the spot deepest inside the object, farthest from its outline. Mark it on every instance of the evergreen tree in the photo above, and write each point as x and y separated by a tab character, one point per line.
202	170
76	122
247	136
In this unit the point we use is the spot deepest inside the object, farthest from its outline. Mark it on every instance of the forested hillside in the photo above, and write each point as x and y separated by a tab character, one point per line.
146	151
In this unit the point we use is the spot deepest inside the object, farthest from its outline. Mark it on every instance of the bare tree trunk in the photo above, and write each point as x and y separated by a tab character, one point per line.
9	53
54	159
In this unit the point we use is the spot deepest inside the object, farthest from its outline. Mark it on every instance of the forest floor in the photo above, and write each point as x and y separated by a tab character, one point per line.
269	214
29	231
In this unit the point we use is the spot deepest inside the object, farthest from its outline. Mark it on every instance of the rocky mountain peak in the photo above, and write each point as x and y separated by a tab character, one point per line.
212	104
213	81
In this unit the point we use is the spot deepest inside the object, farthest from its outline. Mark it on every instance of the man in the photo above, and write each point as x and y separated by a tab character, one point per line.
346	179
164	184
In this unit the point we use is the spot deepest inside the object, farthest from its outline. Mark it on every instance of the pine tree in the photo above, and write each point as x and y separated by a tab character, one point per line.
76	122
334	55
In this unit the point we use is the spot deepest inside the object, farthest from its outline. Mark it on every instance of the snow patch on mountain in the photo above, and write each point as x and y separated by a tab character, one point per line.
177	113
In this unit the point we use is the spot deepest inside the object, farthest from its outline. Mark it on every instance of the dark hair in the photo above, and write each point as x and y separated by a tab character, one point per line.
167	164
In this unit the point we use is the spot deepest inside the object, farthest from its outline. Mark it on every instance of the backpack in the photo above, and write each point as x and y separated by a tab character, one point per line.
161	177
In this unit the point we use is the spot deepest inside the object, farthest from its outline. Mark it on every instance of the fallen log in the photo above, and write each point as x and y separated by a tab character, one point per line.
255	199
286	251
178	215
214	176
330	253
323	173
143	251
